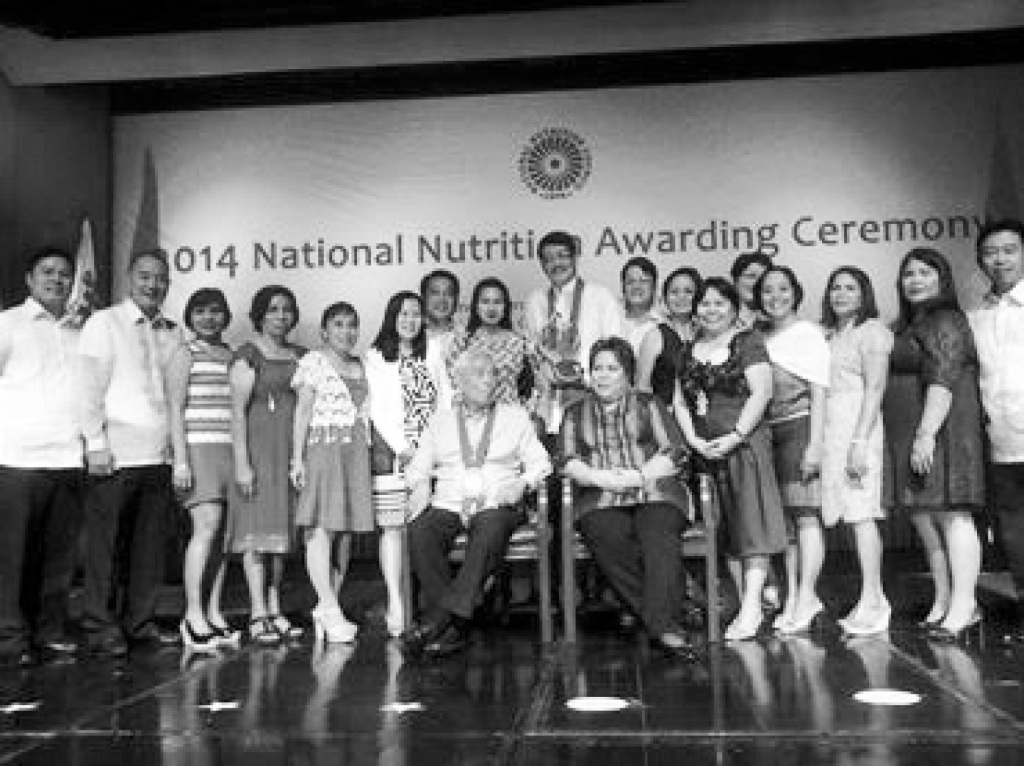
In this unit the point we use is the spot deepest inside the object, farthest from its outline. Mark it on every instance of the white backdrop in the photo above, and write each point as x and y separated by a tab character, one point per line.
831	170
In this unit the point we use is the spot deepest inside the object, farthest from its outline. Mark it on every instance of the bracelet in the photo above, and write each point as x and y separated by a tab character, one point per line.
739	433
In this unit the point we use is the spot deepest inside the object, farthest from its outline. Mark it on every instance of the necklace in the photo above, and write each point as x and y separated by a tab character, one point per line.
273	350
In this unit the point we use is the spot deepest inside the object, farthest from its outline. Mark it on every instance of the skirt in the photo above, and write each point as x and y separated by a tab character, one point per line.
337	494
752	515
789	441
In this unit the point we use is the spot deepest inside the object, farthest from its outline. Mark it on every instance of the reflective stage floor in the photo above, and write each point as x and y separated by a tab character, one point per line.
771	701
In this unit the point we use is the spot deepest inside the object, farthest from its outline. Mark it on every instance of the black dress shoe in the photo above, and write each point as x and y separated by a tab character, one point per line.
416	638
453	640
1013	636
628	623
152	634
692	615
674	643
26	658
58	648
111	644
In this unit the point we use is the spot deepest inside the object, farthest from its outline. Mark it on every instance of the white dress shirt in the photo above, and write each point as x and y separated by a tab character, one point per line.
514	453
437	350
123	403
635	330
998	327
38	384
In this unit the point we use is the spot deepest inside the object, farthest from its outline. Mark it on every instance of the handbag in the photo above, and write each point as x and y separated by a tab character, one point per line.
389	491
390	495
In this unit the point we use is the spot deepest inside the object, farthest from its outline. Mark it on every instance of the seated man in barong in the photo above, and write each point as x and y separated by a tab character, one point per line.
482	456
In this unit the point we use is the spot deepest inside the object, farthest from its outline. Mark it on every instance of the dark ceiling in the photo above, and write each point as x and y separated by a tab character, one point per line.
984	43
89	18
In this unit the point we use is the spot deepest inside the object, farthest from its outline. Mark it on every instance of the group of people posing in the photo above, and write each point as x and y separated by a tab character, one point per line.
438	430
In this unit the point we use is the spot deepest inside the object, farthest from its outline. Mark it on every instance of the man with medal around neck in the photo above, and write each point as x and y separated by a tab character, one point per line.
483	457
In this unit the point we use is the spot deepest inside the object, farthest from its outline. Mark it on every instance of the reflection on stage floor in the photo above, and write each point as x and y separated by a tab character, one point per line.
793	700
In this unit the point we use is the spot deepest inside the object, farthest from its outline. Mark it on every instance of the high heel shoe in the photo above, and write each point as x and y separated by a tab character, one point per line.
674	643
226	635
742	632
927	625
964	633
197	642
330	626
782	619
794	627
880	625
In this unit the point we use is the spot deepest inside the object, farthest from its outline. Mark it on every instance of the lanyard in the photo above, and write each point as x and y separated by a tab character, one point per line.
577	300
469	459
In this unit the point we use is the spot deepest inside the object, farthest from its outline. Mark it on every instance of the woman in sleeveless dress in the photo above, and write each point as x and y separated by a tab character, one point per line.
199	395
659	350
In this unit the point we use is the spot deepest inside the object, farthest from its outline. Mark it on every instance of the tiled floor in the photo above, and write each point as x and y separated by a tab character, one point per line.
771	701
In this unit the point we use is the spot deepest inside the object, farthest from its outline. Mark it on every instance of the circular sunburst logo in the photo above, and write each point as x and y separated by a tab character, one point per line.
555	163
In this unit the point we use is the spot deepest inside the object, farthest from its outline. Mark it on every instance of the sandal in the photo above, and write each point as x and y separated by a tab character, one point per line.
284	628
262	632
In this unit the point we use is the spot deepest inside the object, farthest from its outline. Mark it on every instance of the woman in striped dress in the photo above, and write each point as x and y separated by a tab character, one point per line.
200	413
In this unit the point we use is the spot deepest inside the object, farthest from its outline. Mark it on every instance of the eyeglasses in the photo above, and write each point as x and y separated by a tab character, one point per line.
557	254
1011	248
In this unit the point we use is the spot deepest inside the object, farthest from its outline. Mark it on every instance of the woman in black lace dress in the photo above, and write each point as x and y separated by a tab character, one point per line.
725	384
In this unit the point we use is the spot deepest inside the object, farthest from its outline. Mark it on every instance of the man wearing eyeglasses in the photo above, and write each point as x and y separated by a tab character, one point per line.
564	319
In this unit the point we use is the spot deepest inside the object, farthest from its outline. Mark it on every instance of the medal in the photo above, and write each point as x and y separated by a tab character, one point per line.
702	404
474	490
473	483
